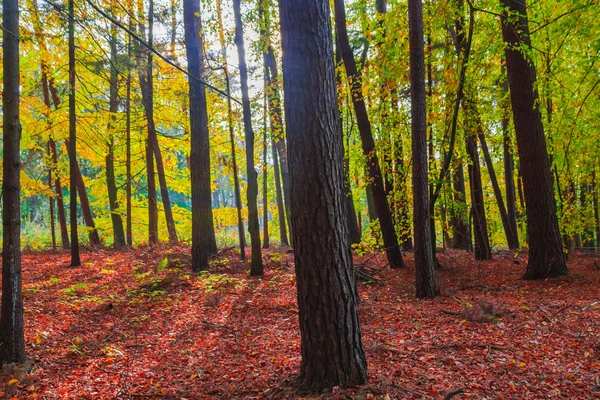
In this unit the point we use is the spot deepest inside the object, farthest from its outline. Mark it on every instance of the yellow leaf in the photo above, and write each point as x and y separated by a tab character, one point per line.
13	382
522	364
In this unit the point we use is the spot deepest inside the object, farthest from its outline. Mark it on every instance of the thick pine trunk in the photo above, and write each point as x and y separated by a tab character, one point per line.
202	218
426	286
256	266
12	346
390	240
546	256
327	295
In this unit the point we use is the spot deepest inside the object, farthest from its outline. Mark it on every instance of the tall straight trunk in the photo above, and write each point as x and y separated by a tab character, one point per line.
265	171
146	86
426	285
128	143
75	259
60	205
279	196
51	198
461	236
509	165
511	236
482	242
12	346
230	120
202	217
164	192
113	108
390	240
596	209
546	256
256	266
327	294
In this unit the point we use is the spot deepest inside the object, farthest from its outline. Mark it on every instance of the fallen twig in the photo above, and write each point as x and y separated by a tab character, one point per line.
453	393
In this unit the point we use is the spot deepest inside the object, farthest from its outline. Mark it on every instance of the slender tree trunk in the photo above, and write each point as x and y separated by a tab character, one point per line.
546	256
117	223
426	285
75	260
51	198
60	205
509	182
461	236
327	295
390	240
482	243
12	346
128	143
279	195
596	209
86	209
164	191
256	267
202	218
265	244
230	119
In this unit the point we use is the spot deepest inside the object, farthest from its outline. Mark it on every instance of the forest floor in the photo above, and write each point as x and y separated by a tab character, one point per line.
138	324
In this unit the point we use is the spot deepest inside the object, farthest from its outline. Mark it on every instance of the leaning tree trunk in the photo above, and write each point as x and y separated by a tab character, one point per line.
202	217
12	346
390	240
426	285
113	108
256	266
327	295
546	256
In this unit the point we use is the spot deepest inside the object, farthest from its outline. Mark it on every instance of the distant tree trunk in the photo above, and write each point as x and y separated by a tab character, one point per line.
12	346
509	182
202	217
75	260
327	295
426	286
147	90
596	209
461	237
164	192
390	240
60	205
230	119
113	108
128	143
371	212
256	267
546	256
265	244
51	198
279	196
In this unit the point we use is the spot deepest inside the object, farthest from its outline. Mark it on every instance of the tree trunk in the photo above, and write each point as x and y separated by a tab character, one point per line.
279	196
51	197
546	256
426	286
256	267
461	236
390	240
60	205
113	108
12	347
230	119
202	217
265	244
596	209
71	146
128	143
327	294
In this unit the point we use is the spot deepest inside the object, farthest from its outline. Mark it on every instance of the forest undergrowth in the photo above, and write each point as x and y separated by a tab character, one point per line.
138	324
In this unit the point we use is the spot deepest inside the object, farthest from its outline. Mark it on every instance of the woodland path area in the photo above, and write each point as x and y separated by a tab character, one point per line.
139	324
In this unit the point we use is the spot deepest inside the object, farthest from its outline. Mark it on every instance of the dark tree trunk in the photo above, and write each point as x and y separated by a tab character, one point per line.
596	209
546	256
390	240
265	244
164	193
426	286
128	143
461	236
327	294
371	212
117	223
86	210
256	266
482	243
148	102
509	167
60	205
12	346
279	195
202	218
75	259
51	198
230	119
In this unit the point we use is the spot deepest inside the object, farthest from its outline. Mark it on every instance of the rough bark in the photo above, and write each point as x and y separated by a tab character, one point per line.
426	286
256	266
327	295
202	217
12	346
546	256
390	240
